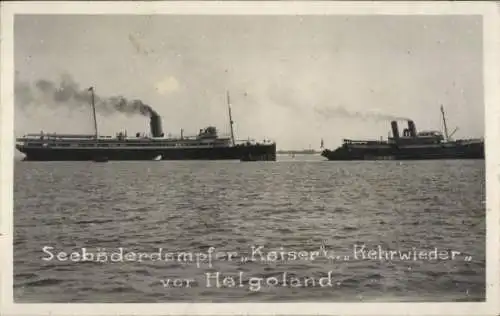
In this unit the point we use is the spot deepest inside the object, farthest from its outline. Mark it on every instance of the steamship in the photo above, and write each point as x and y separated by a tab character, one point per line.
412	145
207	145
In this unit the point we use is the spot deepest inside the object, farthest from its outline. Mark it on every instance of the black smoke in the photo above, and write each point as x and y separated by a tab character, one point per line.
68	93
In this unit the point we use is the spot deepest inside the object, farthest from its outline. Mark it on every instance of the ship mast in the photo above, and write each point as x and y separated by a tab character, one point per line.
91	89
230	117
444	123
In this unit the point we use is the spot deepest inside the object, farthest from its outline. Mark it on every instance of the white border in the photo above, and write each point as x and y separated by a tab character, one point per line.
492	106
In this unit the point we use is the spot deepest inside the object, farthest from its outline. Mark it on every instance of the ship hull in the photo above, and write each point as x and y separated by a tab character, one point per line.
466	151
264	152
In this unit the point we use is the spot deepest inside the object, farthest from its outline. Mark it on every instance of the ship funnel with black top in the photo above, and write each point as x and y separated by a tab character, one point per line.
155	125
395	131
412	129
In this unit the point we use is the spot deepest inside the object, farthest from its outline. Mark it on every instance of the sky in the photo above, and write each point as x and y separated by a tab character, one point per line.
292	79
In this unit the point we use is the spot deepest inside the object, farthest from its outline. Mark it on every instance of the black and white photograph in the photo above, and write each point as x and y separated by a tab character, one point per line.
215	153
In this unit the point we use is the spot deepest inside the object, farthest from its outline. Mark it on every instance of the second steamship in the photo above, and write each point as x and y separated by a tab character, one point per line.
207	145
409	146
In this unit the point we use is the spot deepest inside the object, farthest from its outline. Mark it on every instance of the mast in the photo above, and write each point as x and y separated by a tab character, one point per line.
230	117
444	123
91	89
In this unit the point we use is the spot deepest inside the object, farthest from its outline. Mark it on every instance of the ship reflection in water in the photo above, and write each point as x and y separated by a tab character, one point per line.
409	146
207	145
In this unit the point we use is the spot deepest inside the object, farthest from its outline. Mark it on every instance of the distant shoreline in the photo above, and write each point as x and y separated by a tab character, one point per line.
298	152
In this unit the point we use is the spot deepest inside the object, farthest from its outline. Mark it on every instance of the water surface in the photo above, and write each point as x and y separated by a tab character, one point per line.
295	204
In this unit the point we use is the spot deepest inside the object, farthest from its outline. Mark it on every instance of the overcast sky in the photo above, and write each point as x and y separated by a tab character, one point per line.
292	79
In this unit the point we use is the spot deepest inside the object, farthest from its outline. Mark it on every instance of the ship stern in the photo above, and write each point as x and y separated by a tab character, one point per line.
258	152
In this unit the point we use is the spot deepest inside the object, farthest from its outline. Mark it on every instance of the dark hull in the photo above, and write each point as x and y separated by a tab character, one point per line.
240	152
465	151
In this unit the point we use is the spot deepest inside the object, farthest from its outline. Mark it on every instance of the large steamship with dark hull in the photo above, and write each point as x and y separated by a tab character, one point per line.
207	145
409	146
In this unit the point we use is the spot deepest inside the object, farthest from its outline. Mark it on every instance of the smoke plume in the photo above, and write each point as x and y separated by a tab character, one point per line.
339	111
67	93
